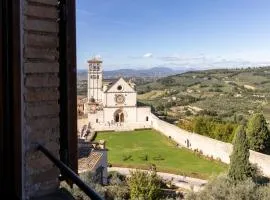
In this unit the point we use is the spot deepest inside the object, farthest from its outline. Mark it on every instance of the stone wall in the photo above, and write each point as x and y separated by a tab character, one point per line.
143	114
130	99
208	146
40	84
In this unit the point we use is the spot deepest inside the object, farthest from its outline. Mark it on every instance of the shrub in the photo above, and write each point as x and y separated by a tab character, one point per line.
167	81
221	188
88	179
126	157
144	157
144	185
117	192
212	127
117	188
258	134
188	113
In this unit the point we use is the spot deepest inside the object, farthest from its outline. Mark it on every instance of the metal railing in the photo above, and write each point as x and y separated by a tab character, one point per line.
66	171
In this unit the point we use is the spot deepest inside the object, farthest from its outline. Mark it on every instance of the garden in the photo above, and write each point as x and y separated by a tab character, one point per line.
143	148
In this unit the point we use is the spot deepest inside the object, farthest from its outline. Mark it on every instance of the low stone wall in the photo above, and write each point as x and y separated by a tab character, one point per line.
120	126
208	146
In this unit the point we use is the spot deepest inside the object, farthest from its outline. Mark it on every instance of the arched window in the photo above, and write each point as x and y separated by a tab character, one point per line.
96	120
97	76
147	118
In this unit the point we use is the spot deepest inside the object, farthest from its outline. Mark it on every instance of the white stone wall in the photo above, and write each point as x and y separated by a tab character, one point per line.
121	127
129	114
125	86
97	117
144	113
109	114
94	85
210	147
95	93
130	99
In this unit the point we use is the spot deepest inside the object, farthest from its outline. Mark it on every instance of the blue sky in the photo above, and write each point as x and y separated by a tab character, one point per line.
174	33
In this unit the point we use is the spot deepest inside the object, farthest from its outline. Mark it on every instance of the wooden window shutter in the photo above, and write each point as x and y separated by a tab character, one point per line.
68	83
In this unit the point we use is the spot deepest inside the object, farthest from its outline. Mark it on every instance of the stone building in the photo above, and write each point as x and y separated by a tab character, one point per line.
113	104
96	160
81	100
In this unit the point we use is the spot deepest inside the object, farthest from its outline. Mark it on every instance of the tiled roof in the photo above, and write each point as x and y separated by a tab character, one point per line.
89	163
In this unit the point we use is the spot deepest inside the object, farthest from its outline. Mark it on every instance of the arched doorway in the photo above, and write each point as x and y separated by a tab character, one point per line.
119	116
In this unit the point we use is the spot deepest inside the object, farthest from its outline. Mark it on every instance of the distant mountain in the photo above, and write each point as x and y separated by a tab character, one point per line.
152	72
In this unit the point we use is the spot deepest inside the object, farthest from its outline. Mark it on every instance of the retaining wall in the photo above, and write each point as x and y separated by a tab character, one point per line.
208	146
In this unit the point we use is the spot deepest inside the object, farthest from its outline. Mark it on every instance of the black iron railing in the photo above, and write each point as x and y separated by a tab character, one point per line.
67	172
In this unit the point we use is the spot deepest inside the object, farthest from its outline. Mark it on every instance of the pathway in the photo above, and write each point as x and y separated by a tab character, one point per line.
177	180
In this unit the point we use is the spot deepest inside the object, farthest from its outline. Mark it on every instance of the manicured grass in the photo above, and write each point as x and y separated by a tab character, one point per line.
130	149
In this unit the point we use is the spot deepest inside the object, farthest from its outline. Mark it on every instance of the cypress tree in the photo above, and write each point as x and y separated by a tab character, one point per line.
258	134
240	168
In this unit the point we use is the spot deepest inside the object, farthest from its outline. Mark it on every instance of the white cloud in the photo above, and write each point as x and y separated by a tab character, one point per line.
148	55
207	62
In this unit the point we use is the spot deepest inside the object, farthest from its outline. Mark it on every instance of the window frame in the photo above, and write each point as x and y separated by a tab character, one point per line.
10	100
68	84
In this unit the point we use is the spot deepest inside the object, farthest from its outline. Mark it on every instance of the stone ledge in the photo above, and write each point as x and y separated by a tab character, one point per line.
41	11
44	80
45	2
44	109
41	40
51	54
41	25
40	95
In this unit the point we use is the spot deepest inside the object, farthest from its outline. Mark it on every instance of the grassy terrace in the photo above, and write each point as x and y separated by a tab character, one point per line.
144	147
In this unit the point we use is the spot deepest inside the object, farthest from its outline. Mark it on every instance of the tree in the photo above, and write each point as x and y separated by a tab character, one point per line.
200	126
144	185
258	134
240	168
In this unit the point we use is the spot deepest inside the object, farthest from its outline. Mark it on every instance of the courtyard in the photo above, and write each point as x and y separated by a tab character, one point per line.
142	148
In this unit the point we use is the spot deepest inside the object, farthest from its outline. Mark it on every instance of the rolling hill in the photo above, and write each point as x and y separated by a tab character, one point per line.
131	73
224	93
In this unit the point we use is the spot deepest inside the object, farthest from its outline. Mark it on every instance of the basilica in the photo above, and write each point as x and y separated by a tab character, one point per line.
112	104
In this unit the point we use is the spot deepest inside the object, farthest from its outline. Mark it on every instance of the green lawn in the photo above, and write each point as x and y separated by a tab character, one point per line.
130	149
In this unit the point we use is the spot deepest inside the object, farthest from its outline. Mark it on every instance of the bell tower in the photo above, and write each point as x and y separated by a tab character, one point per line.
94	92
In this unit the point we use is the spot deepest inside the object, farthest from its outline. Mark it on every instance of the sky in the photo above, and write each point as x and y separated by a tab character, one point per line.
179	34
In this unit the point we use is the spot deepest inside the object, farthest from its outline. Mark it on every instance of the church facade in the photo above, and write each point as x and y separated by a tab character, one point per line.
112	104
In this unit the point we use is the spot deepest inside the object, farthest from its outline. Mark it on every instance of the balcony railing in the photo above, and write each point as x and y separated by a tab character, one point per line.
69	174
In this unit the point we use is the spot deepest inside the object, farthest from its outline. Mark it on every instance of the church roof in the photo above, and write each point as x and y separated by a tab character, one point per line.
113	83
109	81
116	81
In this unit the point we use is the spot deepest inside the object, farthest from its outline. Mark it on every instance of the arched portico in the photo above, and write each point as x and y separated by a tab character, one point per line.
119	116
